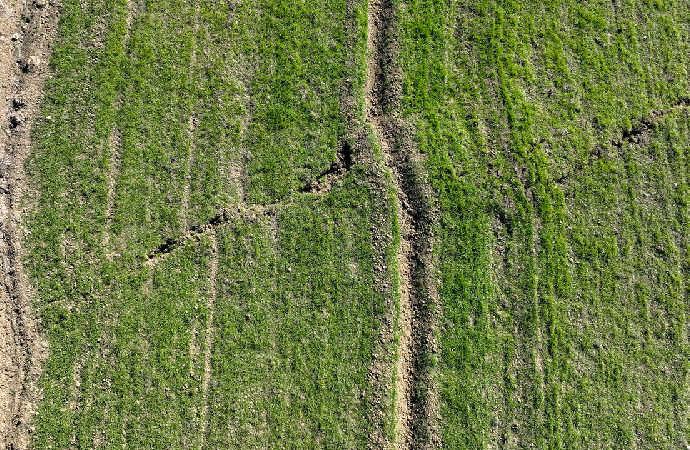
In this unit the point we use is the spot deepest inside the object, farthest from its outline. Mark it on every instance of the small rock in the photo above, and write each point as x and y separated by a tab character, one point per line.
34	62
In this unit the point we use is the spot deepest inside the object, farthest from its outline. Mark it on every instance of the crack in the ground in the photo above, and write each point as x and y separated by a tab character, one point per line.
197	231
631	136
416	402
338	168
646	125
322	185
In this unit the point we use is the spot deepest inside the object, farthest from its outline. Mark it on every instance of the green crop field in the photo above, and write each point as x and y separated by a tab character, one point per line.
557	136
349	224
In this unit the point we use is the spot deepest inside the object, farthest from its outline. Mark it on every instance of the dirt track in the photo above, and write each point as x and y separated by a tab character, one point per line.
27	29
416	402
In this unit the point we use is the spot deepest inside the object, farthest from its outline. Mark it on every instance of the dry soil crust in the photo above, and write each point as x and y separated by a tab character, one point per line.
27	29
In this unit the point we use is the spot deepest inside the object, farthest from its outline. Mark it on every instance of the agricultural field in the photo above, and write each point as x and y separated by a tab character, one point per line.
557	137
345	224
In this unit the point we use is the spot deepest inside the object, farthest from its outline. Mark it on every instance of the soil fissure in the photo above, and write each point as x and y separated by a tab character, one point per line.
338	168
646	125
322	185
225	216
631	136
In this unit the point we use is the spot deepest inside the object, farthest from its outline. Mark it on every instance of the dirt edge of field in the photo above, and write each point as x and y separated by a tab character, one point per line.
31	29
416	403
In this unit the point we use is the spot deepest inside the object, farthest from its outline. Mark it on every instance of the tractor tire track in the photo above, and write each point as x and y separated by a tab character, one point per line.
191	125
115	138
416	404
114	146
208	345
24	54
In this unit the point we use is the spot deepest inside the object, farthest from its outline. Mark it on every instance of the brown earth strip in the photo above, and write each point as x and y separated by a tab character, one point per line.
357	148
114	145
75	403
9	354
24	54
133	8
417	407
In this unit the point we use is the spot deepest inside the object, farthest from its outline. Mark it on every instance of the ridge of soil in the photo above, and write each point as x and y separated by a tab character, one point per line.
27	29
416	405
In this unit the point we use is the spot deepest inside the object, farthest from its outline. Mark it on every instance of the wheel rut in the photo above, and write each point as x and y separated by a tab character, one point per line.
115	137
416	403
208	345
20	356
191	125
